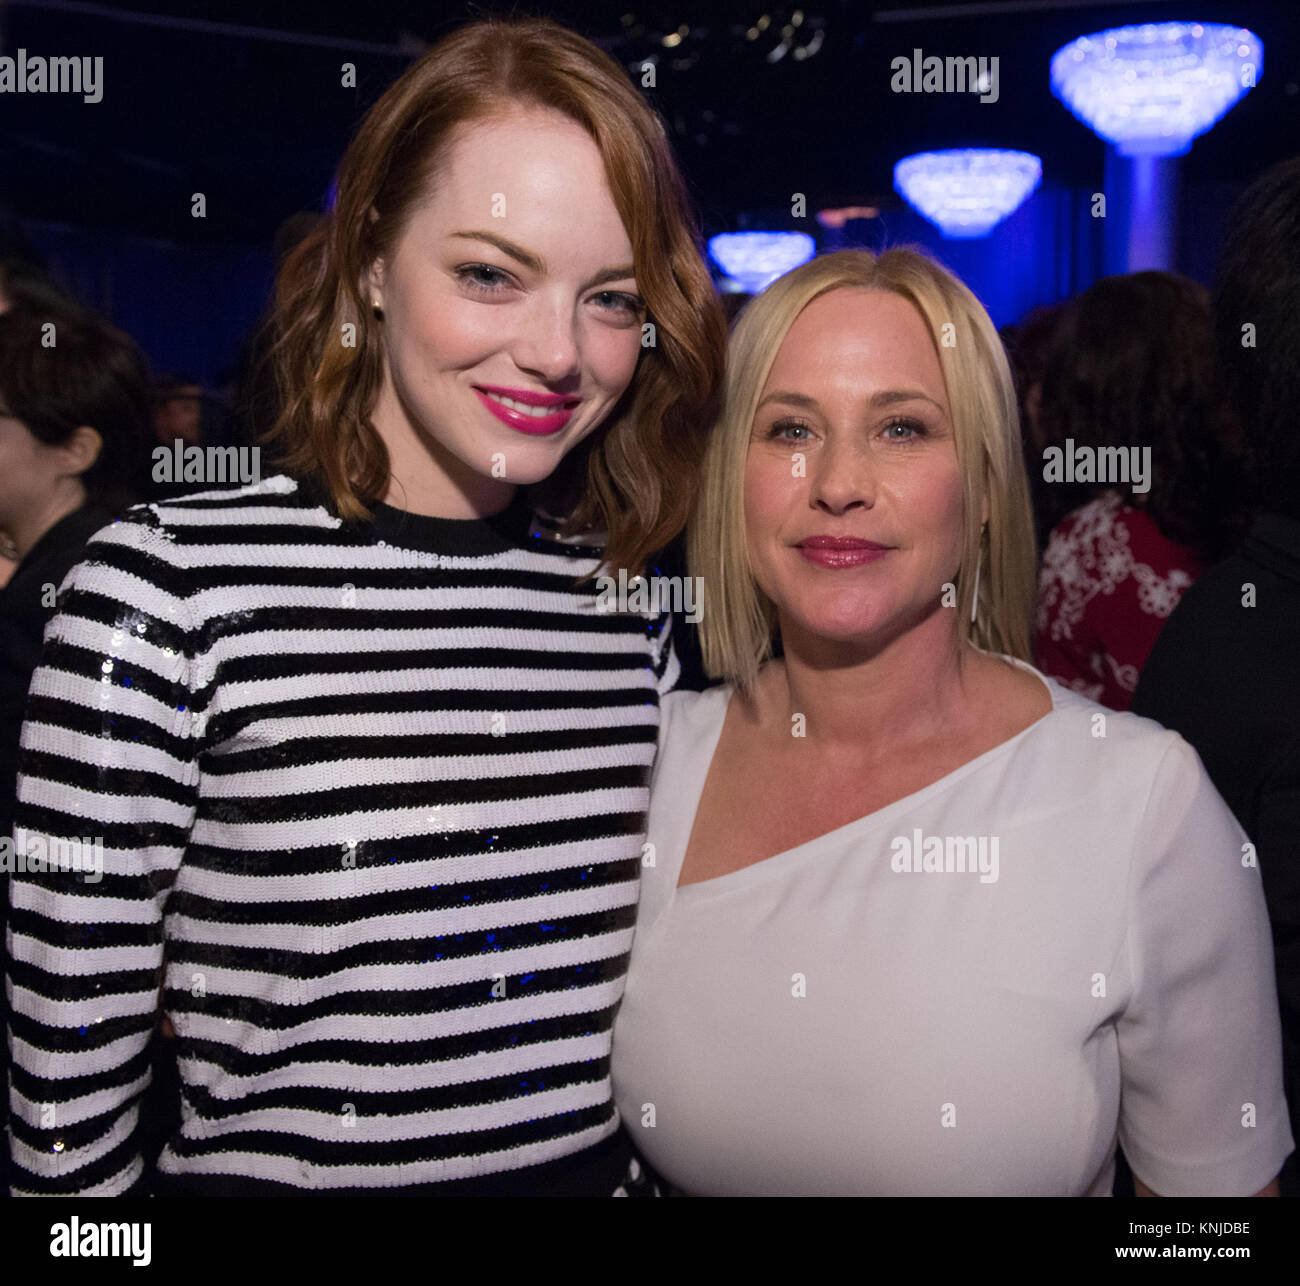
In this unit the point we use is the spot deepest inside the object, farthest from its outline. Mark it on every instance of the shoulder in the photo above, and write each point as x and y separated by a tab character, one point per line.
686	717
1082	741
162	542
1099	516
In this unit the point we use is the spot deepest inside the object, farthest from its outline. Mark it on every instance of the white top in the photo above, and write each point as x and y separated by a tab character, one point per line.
831	1022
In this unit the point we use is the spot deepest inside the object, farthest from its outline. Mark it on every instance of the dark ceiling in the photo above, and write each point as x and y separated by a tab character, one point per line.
242	100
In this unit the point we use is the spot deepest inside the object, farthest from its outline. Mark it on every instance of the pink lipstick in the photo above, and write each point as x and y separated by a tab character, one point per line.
536	413
841	551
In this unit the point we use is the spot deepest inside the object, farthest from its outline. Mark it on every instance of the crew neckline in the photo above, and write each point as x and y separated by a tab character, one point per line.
840	833
508	529
511	528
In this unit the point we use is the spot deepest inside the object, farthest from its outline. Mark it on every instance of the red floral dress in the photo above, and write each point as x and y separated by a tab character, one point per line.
1108	583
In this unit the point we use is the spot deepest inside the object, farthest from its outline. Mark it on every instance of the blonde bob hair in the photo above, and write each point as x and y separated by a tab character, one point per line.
738	627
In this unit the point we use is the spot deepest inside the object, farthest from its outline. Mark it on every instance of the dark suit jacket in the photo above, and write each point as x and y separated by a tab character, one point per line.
1227	677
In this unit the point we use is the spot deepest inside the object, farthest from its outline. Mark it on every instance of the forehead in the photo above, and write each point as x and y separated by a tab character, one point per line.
524	153
859	341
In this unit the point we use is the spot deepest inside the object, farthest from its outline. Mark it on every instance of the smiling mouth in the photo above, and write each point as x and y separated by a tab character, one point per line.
538	412
526	417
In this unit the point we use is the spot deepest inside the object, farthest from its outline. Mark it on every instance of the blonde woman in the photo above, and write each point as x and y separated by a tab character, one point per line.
914	918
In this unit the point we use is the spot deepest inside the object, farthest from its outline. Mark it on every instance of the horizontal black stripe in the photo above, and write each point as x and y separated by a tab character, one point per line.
395	1152
246	1063
374	906
305	751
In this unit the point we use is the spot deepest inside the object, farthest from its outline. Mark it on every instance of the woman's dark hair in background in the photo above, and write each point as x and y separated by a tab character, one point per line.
1132	365
1257	284
1028	344
92	374
24	284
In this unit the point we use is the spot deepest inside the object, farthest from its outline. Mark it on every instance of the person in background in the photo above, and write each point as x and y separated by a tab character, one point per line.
24	282
8	559
177	415
1225	671
178	403
1130	387
1028	344
73	426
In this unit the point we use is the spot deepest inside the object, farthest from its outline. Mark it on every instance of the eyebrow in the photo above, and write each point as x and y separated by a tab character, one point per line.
535	263
886	397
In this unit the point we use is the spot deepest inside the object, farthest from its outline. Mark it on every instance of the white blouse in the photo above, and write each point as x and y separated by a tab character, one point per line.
972	991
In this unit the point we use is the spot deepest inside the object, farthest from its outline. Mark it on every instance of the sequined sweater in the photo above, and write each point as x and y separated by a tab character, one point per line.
372	804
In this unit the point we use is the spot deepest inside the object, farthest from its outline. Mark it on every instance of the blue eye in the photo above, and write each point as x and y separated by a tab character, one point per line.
779	428
914	429
631	304
475	283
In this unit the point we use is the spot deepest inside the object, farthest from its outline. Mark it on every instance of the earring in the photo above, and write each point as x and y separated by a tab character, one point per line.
979	559
375	308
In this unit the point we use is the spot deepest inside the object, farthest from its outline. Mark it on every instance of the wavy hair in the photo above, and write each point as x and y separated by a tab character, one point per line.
634	477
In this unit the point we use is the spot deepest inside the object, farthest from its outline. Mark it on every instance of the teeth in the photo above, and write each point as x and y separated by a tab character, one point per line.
536	411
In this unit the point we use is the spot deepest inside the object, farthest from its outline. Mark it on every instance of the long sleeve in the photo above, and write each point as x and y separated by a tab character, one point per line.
108	758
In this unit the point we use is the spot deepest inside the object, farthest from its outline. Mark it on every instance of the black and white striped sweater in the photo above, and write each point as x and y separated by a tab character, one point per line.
379	792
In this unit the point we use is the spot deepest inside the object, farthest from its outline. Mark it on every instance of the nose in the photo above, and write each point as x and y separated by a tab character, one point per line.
842	475
547	346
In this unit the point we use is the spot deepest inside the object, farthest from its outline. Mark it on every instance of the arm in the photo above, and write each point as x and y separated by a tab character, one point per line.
107	753
1202	1111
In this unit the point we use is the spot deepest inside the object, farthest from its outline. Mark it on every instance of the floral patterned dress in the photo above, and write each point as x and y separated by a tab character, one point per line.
1108	583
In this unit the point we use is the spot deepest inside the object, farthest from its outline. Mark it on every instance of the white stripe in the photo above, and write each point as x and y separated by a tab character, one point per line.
434	723
341	773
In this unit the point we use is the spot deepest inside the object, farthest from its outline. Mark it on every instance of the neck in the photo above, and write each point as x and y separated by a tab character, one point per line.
903	690
27	530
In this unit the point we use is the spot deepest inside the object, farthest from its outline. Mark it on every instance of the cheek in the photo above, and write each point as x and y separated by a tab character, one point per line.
770	490
611	355
445	332
936	500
